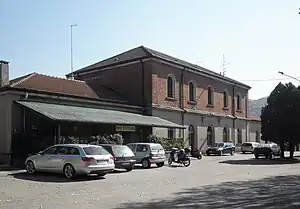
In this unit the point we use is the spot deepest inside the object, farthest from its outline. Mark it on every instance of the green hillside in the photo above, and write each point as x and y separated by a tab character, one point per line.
256	105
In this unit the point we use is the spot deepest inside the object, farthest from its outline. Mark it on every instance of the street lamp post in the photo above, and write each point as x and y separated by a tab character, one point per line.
71	26
282	73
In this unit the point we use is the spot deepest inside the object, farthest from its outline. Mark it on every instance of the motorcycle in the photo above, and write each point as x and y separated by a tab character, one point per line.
179	156
195	153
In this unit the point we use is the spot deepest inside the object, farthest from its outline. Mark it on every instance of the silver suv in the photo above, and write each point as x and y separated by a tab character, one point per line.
148	153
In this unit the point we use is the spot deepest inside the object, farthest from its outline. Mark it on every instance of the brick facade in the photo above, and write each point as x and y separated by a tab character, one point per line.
144	82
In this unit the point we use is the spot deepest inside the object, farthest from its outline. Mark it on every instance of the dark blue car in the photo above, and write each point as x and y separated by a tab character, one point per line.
221	149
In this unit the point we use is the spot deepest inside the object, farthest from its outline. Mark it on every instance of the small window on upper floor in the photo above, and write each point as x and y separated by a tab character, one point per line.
171	86
192	91
225	99
238	102
210	96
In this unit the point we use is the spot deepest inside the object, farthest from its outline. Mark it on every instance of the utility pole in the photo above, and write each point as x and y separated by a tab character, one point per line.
71	26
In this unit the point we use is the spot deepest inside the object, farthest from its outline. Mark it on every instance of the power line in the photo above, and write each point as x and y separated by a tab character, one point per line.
271	79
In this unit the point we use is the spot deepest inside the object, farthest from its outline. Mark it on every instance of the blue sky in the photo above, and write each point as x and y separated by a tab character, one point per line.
257	37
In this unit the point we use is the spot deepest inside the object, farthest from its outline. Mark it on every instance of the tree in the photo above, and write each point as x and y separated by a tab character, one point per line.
279	122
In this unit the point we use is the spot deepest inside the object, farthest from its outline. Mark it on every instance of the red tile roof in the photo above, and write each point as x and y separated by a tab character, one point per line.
35	81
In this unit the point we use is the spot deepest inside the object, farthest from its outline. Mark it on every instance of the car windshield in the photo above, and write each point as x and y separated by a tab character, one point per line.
265	145
247	144
95	150
156	147
220	144
121	150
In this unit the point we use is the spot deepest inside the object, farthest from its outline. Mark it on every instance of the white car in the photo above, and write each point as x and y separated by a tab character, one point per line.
72	160
148	153
249	147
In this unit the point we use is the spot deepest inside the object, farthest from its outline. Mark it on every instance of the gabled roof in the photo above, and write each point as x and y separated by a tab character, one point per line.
143	52
39	82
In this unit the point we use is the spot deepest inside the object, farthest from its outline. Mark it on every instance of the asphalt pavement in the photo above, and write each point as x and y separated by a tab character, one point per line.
214	182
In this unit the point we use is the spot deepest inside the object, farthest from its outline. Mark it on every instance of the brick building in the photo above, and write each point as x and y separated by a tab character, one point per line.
37	111
212	107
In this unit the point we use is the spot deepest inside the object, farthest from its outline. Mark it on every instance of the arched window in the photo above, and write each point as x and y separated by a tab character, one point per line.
210	139
192	137
225	99
239	136
225	135
257	137
210	96
238	102
192	91
171	87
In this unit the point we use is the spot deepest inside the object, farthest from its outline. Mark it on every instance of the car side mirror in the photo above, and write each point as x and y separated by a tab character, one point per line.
40	153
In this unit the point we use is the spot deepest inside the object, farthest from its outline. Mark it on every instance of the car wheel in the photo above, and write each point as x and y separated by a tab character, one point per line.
30	168
129	169
256	156
160	164
271	156
69	171
146	163
208	154
244	152
232	152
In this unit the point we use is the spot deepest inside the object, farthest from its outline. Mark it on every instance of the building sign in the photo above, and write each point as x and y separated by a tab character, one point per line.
121	128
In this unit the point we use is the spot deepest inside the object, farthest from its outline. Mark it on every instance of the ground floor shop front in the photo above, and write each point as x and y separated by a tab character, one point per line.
45	124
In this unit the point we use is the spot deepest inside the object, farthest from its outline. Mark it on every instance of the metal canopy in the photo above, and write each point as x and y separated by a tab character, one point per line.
92	115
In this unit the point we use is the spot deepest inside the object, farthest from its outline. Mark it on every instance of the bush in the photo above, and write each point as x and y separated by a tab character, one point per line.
107	139
167	143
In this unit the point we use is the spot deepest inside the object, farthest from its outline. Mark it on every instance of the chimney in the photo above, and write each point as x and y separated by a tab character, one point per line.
4	73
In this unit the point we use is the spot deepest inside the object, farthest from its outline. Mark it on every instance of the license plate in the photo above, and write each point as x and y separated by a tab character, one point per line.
101	161
126	163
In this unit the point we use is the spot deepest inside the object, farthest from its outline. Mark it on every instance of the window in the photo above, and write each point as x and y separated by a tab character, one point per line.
50	151
192	137
73	151
225	99
239	136
225	135
210	96
142	148
95	150
171	87
171	133
62	150
209	136
192	91
257	136
121	151
238	102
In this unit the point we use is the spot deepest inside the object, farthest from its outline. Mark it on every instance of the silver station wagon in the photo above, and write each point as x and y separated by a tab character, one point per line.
72	160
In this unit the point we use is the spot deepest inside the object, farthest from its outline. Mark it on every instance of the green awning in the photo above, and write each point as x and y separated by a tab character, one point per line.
92	115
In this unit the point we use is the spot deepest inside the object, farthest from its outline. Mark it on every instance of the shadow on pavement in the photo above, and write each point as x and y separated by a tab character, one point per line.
262	161
274	193
137	167
54	178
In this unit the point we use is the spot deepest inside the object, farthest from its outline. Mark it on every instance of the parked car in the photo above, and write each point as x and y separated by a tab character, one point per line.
249	147
267	150
221	149
72	160
148	153
124	157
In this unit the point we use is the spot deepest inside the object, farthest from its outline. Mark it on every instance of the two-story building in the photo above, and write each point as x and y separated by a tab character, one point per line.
37	111
212	107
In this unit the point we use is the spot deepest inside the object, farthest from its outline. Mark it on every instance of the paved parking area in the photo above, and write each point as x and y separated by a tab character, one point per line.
214	182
